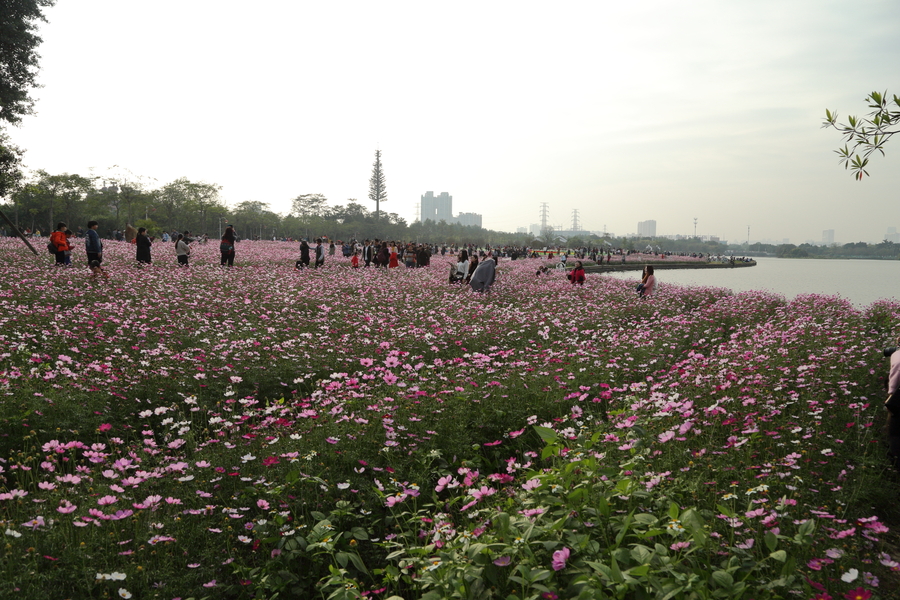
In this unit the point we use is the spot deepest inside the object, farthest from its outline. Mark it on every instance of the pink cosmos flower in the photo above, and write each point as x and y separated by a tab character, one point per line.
559	559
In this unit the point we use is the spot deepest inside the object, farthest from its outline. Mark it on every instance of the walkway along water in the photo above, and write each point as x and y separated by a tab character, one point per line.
663	265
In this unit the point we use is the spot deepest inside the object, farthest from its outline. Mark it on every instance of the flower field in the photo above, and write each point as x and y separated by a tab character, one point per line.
262	432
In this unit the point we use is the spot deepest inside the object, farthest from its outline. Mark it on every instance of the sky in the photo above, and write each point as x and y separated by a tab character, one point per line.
621	111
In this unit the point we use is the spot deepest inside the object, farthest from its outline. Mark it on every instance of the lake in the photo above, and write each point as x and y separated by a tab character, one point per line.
862	282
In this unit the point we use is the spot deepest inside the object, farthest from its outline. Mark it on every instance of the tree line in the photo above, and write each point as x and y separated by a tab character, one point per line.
38	203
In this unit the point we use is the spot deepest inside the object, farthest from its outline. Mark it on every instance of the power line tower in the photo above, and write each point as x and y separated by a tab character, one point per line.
575	225
418	212
545	214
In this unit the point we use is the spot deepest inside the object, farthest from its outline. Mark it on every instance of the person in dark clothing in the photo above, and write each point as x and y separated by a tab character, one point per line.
320	253
226	247
93	245
383	256
304	255
143	243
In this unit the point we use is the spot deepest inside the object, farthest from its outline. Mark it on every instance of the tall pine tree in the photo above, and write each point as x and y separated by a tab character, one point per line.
377	185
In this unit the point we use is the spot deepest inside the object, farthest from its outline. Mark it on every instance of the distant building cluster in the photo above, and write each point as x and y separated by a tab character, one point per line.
440	208
828	237
892	235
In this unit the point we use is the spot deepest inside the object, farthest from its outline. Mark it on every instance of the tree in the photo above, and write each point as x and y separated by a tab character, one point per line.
307	206
18	56
377	185
10	166
867	135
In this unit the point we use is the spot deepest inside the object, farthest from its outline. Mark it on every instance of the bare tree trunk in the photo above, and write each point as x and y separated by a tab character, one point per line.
18	233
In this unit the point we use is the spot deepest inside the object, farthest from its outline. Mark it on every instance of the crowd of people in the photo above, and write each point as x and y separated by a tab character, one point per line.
469	265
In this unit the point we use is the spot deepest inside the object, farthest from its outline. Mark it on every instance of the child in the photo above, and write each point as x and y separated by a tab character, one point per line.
97	270
354	262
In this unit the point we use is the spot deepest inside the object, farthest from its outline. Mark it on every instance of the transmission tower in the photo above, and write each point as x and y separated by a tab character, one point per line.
418	213
545	213
575	225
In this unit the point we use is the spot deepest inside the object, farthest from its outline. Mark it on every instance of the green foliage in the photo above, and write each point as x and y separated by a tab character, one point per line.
866	135
18	56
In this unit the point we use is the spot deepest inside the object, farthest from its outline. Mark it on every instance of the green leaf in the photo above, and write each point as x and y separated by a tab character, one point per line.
547	435
639	571
615	573
771	541
357	562
723	579
674	510
725	511
577	494
779	555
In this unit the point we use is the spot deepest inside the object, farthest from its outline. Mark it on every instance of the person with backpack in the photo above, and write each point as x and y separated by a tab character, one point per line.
58	245
92	243
226	247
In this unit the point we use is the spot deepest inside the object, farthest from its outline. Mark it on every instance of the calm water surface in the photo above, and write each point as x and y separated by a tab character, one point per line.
862	282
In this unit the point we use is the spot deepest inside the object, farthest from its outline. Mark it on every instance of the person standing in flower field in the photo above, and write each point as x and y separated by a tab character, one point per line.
143	243
226	247
182	250
59	244
93	245
304	255
320	253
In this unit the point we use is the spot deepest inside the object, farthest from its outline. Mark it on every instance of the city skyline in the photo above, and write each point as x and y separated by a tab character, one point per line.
711	109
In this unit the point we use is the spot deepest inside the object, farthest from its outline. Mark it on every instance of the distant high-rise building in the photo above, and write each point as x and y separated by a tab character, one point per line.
647	228
892	235
535	229
521	230
828	237
437	208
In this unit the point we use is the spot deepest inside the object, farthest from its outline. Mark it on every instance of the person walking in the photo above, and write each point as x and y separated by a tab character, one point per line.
143	243
226	247
93	245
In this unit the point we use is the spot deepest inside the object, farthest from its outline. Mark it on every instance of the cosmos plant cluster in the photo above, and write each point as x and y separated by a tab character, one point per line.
206	432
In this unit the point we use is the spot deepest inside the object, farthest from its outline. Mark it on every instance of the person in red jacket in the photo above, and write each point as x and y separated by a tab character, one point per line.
60	243
576	275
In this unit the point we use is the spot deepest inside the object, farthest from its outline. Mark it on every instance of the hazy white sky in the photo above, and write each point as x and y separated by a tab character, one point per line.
625	111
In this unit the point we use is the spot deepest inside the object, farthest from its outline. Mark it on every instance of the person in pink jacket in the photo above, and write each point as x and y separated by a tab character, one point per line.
648	282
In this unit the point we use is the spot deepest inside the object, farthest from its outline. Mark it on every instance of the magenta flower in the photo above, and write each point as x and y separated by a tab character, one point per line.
559	559
503	561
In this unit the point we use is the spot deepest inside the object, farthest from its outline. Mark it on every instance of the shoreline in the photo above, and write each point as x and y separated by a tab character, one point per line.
661	266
